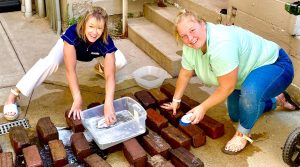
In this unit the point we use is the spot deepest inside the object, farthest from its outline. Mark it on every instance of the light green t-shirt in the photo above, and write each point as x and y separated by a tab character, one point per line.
229	47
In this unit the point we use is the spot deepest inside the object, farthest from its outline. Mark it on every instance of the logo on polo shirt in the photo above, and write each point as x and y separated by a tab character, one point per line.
95	53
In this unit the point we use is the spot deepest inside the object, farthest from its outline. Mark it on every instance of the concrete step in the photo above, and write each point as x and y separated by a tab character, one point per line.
206	9
157	43
163	17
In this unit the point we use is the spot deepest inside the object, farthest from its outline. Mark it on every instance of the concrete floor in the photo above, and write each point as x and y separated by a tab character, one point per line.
24	40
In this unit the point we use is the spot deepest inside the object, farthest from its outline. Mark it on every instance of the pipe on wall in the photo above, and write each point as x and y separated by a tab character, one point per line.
124	18
58	16
28	8
41	8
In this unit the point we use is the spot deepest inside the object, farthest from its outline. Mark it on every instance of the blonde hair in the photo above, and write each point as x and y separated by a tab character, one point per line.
182	15
95	12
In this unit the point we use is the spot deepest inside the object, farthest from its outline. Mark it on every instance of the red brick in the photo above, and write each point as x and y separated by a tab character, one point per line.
187	103
134	153
211	127
75	125
155	144
58	153
32	156
175	137
46	130
19	138
131	96
173	119
197	134
91	105
159	96
158	161
146	99
182	157
155	121
95	160
6	159
80	146
168	90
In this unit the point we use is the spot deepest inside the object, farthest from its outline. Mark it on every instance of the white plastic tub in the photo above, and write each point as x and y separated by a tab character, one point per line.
131	117
149	77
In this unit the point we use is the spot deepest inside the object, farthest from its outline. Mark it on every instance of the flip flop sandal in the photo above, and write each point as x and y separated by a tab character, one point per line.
289	100
8	109
249	140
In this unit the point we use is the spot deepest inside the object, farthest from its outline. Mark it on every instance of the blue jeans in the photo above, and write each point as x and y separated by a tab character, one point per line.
258	92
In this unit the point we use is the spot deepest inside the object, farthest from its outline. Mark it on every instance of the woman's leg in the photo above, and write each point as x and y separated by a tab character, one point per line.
233	105
38	73
257	95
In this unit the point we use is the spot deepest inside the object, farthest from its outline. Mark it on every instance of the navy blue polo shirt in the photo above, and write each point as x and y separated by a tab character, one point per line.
86	51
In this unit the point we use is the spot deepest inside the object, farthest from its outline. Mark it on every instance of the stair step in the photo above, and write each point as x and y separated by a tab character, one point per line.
206	9
163	17
157	43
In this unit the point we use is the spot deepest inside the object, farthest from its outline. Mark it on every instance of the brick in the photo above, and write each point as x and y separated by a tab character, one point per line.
155	144
158	161
75	125
187	103
58	153
46	130
175	137
80	146
146	99
19	138
211	127
91	105
195	133
173	119
32	156
134	153
131	96
168	90
159	96
155	121
95	160
182	157
6	159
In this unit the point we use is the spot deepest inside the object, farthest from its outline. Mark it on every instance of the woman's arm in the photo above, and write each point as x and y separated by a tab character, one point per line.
226	86
181	83
109	74
70	65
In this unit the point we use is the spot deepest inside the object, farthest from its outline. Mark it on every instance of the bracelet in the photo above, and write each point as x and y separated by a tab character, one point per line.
176	100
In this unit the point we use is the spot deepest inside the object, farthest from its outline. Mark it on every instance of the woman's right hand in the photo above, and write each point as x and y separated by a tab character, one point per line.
76	109
171	106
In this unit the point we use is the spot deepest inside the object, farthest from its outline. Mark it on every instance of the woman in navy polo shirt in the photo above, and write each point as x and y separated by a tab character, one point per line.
83	41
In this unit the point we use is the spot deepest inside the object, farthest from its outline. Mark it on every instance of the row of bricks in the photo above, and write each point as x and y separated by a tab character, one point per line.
155	97
159	151
49	135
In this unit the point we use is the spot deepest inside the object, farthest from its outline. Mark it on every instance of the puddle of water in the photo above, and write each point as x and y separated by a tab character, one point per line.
149	77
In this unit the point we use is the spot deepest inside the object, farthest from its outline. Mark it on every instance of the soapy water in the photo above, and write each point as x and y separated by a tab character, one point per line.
125	127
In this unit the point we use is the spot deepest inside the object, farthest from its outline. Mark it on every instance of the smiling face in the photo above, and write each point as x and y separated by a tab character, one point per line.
192	32
94	29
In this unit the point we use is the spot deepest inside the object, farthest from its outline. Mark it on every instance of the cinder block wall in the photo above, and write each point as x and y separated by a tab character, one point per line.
269	19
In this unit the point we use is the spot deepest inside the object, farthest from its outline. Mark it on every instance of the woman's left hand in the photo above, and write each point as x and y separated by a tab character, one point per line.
109	114
198	114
